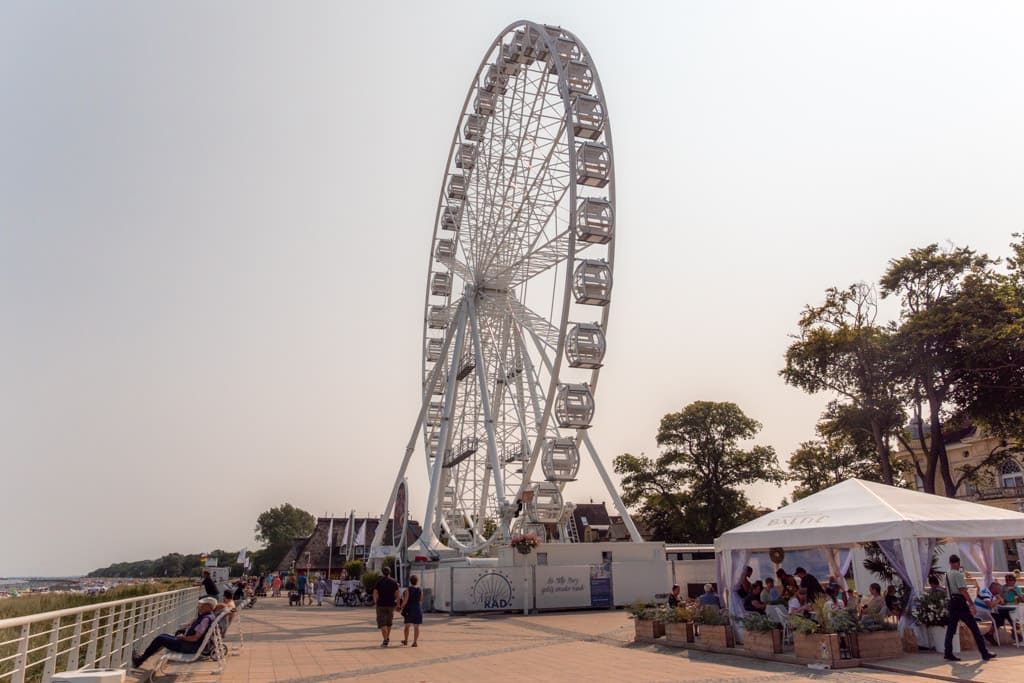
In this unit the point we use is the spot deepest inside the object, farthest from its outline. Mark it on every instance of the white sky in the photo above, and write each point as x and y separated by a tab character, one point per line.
215	221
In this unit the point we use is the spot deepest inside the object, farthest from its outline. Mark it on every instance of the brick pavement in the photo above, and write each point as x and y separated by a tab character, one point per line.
313	645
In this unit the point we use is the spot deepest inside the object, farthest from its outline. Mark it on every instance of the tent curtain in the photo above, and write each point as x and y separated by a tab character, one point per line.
738	560
982	555
838	563
894	555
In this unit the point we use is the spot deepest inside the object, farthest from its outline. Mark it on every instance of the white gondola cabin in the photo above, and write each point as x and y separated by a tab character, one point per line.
588	117
585	346
437	317
545	507
579	77
495	80
475	127
574	406
441	284
561	459
457	184
593	164
485	102
434	348
451	217
592	282
445	249
595	220
466	156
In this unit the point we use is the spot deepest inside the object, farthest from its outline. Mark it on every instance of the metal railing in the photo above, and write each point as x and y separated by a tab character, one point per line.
96	636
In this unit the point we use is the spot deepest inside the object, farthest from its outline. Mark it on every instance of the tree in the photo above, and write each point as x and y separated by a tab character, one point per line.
930	358
829	460
994	364
842	349
277	528
690	492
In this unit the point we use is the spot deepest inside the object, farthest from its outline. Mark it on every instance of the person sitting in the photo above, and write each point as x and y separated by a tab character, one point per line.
875	602
209	586
744	586
840	586
185	639
769	593
228	602
892	602
709	597
752	603
933	585
832	599
787	583
1012	593
986	607
800	605
675	598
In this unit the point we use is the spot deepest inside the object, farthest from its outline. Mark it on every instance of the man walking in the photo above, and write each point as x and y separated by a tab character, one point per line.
961	608
385	597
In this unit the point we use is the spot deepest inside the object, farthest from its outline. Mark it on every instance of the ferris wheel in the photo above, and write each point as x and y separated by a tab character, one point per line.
518	293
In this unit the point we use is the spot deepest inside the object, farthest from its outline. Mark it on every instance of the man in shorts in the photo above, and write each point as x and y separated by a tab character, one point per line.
385	597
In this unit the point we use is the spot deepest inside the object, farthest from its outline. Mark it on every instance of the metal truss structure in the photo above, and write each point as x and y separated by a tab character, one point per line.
517	297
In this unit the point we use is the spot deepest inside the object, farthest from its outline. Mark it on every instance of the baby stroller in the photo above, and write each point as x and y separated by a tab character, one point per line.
294	598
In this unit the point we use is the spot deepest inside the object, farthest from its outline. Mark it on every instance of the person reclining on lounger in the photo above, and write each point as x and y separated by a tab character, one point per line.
184	640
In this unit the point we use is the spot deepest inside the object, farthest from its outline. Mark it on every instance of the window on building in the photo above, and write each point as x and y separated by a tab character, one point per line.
1011	475
918	482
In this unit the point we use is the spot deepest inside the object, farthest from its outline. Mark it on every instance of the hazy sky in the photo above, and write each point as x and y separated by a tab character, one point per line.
215	221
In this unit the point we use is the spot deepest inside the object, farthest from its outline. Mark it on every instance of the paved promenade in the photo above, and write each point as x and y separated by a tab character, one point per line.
313	645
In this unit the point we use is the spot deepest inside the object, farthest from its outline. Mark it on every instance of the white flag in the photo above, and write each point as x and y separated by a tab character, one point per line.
344	535
361	536
330	534
241	556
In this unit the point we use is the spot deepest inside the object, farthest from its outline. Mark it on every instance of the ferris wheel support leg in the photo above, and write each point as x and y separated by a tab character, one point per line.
492	451
428	388
532	382
616	498
429	522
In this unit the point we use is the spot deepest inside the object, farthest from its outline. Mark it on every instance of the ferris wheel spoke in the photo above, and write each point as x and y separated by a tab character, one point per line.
535	322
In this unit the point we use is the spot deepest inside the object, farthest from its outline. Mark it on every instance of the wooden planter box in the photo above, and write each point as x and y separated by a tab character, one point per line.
714	635
648	631
875	644
679	634
763	642
822	648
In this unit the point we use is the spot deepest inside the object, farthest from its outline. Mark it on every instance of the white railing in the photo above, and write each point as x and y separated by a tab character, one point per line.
35	647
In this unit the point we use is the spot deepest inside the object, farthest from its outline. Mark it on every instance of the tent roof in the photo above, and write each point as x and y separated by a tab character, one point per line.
858	511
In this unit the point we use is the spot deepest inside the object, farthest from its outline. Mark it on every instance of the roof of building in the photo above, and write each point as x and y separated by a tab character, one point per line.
596	514
320	549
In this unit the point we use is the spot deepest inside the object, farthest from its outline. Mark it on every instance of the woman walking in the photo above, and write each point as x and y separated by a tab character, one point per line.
412	610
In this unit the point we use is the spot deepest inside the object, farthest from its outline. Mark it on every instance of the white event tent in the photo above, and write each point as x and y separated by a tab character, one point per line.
906	524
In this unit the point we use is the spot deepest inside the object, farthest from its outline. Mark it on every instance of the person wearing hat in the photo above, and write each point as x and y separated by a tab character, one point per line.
961	608
184	640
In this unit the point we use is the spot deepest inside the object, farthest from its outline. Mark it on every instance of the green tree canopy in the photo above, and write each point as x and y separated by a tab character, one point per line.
691	492
276	529
841	348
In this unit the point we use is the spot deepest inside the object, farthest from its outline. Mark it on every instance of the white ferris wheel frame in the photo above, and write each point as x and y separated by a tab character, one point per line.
543	334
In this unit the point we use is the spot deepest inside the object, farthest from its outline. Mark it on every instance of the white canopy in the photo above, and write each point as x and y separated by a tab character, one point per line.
858	511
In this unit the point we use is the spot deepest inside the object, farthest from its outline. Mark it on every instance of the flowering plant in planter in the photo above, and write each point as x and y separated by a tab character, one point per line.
525	543
931	609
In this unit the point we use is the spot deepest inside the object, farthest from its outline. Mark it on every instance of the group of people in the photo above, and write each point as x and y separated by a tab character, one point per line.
799	591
